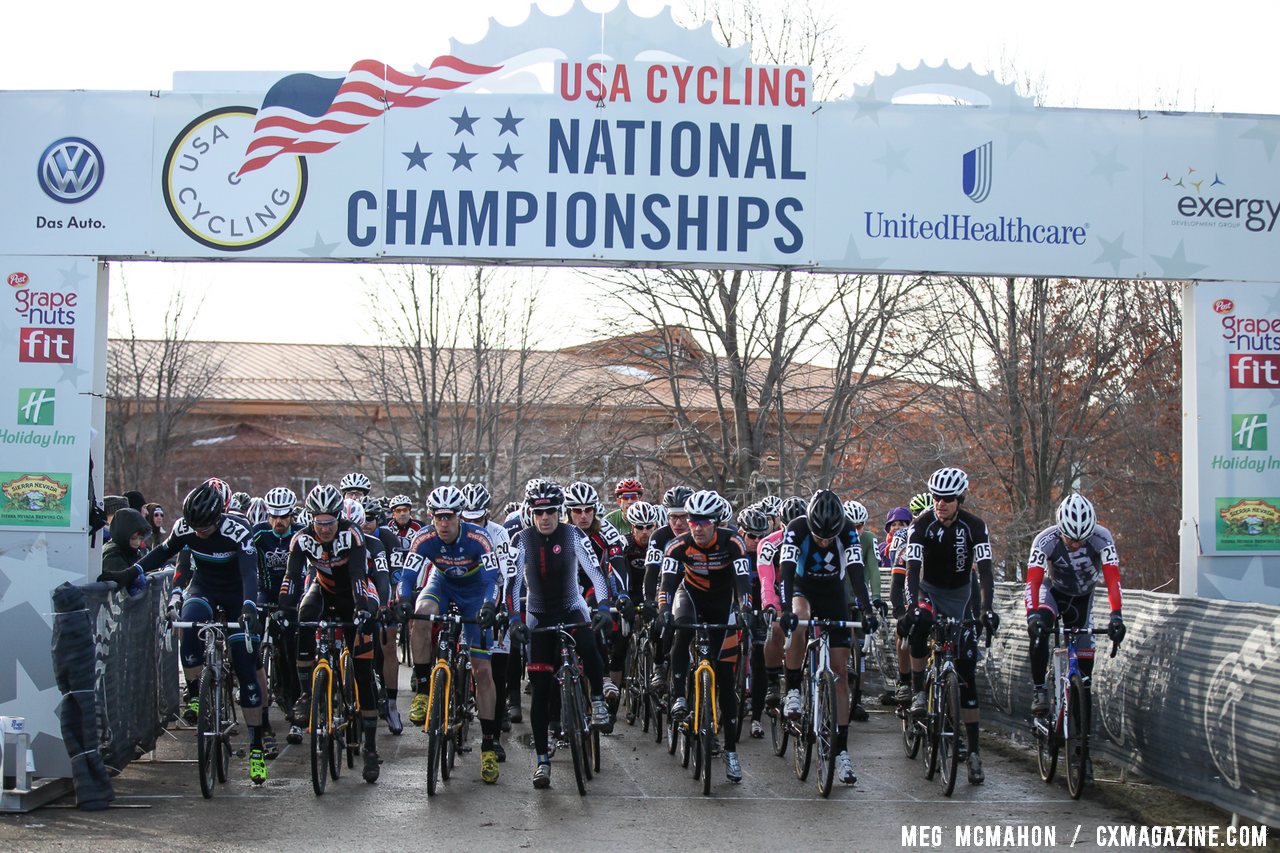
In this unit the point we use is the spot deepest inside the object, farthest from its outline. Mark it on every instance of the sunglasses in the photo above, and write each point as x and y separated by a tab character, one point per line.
701	522
318	523
945	499
751	535
643	526
629	495
582	510
159	513
547	511
445	516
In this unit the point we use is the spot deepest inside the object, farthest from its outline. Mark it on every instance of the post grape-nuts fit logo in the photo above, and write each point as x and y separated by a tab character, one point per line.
208	197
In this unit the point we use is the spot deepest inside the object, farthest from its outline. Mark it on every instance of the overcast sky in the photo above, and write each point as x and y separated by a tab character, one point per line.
1118	54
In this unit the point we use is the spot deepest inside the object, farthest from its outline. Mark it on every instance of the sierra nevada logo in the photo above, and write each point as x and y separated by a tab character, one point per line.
235	178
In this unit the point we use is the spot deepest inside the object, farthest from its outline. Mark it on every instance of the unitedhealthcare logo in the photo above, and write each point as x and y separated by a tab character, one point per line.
975	174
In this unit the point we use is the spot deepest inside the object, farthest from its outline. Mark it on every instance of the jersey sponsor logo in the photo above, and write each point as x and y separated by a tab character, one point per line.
555	549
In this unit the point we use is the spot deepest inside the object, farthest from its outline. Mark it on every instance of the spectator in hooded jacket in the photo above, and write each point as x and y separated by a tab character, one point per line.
129	530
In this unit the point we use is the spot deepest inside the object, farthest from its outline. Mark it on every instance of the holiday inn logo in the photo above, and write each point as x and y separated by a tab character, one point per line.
1249	432
35	407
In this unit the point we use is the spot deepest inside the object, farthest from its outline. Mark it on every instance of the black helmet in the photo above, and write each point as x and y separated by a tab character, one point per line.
324	499
825	514
372	509
753	520
239	502
792	508
543	494
676	496
203	506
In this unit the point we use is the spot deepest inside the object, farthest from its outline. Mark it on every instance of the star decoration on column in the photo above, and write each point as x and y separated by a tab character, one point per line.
508	123
417	157
462	158
507	158
464	122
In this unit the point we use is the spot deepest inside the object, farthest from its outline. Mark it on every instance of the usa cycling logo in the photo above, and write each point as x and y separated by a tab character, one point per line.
70	170
975	173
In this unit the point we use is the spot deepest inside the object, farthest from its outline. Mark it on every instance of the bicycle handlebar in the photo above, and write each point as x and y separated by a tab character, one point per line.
228	626
442	617
829	623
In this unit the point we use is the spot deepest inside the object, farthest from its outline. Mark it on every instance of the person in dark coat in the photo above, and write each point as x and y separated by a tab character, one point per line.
129	530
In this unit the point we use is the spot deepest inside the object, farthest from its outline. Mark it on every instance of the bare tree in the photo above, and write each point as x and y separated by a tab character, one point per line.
152	387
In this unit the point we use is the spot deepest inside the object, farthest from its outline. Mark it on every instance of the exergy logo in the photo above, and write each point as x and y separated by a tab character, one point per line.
1199	205
977	167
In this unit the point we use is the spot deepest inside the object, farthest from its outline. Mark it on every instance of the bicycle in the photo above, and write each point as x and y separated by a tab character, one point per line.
335	704
940	729
696	733
216	719
642	703
575	721
449	703
1070	716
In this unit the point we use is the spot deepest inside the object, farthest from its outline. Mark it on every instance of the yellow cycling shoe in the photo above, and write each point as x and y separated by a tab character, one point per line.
418	709
488	767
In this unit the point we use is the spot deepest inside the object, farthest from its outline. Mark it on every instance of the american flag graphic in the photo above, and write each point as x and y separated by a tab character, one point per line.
306	114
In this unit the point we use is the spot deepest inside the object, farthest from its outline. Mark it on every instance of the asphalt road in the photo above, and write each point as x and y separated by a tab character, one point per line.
641	800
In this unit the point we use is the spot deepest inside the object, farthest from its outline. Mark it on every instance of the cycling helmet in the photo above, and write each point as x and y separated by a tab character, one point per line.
704	504
400	500
324	499
543	494
726	510
239	502
223	489
676	497
662	514
477	499
355	480
825	514
446	499
948	482
1076	517
581	494
753	520
301	516
203	506
898	513
526	516
257	511
770	504
372	509
353	511
630	484
642	514
280	500
919	503
791	509
856	512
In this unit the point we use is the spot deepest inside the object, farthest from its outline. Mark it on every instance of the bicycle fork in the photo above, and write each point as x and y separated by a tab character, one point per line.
440	664
704	666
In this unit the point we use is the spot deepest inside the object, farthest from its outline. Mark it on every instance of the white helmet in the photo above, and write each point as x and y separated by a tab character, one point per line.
948	483
705	504
446	499
856	512
581	494
280	500
355	480
641	514
353	511
1076	517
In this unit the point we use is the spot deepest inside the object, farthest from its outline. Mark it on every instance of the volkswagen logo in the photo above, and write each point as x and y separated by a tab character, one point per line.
70	170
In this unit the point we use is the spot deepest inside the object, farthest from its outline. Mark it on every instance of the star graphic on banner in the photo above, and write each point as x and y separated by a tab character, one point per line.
869	108
72	275
319	249
417	157
1177	265
853	257
1107	165
1235	582
1273	302
71	374
509	122
1267	133
894	160
464	122
1113	252
461	158
507	158
1020	127
38	706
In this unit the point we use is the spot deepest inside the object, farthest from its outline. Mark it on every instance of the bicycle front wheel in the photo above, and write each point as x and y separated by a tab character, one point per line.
931	725
949	734
465	707
350	711
319	730
802	755
207	734
337	727
706	727
440	696
1077	738
824	733
436	736
1046	748
571	725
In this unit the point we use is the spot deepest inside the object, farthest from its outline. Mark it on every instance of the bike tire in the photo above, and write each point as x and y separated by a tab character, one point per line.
910	732
319	730
825	733
267	658
778	731
949	736
741	677
930	733
1046	748
706	728
207	747
337	729
435	743
802	754
595	749
571	725
441	698
1077	741
462	740
633	702
350	711
673	735
225	725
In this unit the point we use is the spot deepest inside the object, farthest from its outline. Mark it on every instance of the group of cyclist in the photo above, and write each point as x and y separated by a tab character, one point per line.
554	557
